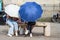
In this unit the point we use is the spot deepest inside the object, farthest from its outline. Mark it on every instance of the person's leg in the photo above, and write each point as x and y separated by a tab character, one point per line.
31	27
27	30
16	28
11	29
30	30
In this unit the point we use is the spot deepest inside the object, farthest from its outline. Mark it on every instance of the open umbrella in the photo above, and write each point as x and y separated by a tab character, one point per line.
12	10
30	11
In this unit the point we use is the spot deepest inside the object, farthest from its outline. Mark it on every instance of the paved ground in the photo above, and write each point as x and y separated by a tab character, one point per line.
37	33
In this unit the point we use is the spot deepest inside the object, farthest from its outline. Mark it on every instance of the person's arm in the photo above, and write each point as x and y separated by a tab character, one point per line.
7	16
19	21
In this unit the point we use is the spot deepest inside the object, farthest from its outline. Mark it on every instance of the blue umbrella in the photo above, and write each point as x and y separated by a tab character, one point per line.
30	11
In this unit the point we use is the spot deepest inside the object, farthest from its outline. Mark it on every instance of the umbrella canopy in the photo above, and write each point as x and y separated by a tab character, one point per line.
30	11
12	10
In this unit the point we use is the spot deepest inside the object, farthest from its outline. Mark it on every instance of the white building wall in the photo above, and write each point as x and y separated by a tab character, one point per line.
38	1
50	7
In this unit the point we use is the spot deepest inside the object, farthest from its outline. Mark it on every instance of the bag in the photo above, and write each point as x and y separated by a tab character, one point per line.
21	31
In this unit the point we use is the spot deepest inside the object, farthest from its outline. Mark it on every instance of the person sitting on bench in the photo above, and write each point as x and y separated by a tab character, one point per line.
30	26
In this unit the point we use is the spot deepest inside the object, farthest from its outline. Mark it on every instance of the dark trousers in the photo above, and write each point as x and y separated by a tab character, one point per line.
29	28
30	25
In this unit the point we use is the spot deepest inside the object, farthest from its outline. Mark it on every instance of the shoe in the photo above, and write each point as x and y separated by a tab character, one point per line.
30	34
26	32
9	35
16	34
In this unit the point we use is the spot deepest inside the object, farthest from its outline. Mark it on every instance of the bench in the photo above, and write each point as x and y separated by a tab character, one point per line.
45	25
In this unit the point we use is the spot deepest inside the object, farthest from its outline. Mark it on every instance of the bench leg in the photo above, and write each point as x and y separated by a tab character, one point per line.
47	29
44	30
